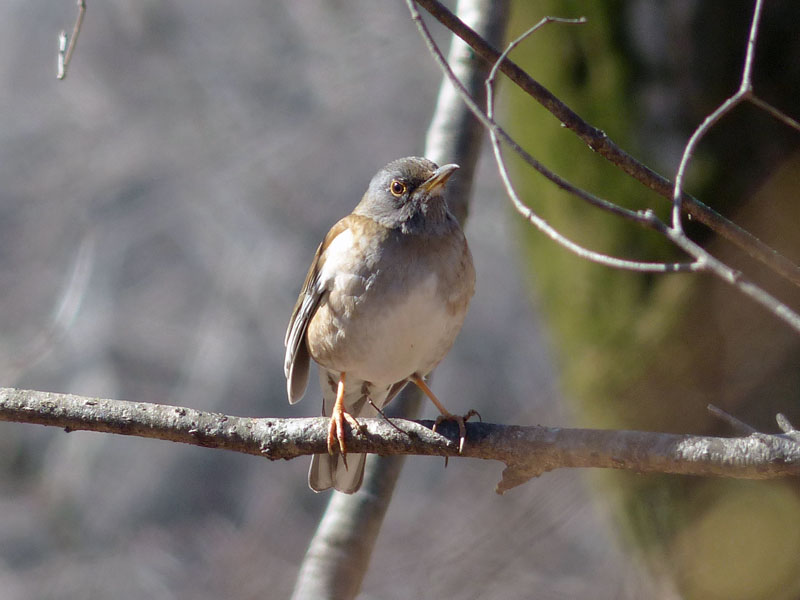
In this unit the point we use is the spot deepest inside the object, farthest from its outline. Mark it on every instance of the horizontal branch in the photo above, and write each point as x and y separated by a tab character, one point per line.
527	451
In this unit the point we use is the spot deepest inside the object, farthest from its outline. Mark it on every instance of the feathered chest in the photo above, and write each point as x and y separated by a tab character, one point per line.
391	304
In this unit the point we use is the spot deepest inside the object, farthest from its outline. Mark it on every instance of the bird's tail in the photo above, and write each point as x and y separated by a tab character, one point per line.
329	472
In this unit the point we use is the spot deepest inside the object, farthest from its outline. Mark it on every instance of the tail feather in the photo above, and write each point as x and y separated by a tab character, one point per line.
329	472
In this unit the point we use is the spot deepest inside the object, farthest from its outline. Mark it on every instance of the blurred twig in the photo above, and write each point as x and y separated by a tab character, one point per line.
63	316
527	451
66	44
735	424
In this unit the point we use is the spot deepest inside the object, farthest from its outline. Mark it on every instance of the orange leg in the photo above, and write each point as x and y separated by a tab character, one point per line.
336	426
446	414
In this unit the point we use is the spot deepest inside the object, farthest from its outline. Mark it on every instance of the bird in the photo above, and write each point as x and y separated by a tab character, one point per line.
383	301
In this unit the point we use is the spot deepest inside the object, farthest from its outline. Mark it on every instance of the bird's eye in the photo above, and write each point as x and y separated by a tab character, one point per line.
398	188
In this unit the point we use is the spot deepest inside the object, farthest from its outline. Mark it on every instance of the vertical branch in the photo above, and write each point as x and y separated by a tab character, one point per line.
339	553
455	134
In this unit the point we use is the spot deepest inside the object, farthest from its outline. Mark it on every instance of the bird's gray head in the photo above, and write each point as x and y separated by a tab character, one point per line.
408	194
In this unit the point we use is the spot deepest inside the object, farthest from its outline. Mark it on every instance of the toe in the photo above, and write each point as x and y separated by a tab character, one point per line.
332	437
340	433
462	434
462	427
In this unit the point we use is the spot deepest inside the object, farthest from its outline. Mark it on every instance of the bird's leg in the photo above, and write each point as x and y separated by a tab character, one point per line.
446	414
336	426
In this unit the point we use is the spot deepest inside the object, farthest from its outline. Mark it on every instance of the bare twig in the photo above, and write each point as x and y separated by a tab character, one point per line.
529	214
744	93
766	107
644	218
745	90
703	260
64	50
732	421
598	141
527	451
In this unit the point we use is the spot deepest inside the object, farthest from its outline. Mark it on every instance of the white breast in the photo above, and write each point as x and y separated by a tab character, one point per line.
387	337
406	335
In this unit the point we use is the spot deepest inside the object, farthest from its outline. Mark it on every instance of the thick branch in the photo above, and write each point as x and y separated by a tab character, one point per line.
527	451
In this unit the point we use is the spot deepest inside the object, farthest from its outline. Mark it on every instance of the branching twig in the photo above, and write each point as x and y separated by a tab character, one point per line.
598	141
703	260
644	218
536	220
527	451
743	94
745	90
65	50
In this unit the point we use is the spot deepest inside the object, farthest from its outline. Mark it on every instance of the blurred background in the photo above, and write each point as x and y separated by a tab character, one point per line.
159	209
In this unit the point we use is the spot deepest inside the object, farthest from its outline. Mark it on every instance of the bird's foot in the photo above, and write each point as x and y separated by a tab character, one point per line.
461	421
336	431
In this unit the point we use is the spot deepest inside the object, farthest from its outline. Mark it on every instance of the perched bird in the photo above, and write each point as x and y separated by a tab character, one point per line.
383	301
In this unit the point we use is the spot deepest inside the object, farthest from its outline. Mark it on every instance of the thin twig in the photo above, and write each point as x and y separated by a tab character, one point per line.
732	421
767	107
744	93
528	213
703	259
729	275
65	51
745	90
645	218
598	141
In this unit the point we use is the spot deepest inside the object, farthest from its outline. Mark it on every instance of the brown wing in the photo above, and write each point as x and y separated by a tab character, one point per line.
297	360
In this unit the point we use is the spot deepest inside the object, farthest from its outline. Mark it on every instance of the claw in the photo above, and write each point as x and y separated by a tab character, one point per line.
336	433
462	427
336	427
446	415
473	413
